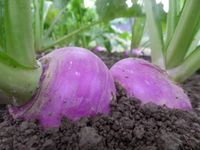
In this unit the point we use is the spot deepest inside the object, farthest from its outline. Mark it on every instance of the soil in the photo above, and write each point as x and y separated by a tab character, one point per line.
129	126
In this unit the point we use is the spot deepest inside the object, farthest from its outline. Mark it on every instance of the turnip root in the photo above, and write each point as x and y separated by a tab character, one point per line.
75	83
148	83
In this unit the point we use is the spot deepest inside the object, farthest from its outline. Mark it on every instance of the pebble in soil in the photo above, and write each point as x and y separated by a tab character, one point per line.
129	126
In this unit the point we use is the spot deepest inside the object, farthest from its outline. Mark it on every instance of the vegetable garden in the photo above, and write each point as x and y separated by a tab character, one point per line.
99	74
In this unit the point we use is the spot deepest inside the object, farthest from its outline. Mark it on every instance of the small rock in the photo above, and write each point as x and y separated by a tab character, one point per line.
150	107
139	132
24	125
49	144
170	141
89	137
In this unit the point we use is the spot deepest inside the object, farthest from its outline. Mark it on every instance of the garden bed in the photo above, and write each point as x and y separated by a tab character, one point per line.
129	126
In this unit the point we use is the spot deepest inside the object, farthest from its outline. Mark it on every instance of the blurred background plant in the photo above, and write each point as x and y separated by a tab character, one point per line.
111	25
126	26
89	23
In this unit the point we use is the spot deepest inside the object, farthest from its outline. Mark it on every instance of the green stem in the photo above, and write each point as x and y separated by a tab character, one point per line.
155	33
70	35
137	32
20	72
18	83
38	23
171	20
184	33
188	67
2	24
194	43
19	35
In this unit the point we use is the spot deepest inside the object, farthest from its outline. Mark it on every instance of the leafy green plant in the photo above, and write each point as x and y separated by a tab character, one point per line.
176	56
174	53
107	9
60	21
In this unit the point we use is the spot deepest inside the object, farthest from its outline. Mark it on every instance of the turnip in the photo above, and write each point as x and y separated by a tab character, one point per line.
75	83
155	83
69	82
99	49
149	83
135	52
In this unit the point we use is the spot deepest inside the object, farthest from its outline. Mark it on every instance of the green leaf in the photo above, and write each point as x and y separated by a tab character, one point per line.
111	9
70	35
60	3
47	6
54	22
133	11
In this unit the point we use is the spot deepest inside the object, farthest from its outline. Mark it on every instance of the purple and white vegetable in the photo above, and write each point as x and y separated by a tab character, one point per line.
75	83
148	83
135	52
99	49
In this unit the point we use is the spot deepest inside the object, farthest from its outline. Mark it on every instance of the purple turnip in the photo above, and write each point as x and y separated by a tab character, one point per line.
135	52
99	49
148	83
75	83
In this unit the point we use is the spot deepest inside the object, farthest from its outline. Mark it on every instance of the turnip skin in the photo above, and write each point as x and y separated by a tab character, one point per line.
148	83
75	83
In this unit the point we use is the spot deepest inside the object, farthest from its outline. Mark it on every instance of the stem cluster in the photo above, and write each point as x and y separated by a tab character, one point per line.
182	26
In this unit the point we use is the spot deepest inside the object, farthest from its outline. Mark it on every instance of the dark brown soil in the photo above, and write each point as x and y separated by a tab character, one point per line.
128	127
